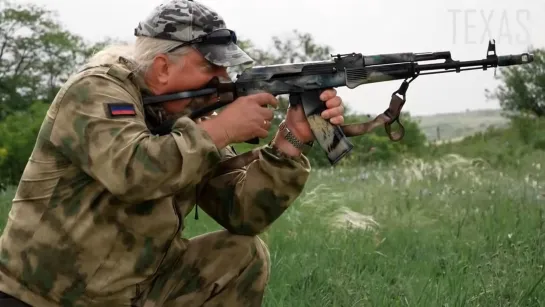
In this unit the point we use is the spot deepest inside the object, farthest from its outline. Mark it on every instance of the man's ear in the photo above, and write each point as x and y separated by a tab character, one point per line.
160	68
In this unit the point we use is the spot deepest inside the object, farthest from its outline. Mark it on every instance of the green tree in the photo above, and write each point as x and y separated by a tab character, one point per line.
36	55
295	47
522	91
18	131
299	47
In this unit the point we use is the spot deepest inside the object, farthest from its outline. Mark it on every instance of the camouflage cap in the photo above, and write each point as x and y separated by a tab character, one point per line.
184	20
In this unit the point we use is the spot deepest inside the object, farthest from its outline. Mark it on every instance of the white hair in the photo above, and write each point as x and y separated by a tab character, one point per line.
141	52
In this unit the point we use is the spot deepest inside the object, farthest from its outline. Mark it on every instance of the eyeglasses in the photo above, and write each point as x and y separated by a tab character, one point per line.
216	37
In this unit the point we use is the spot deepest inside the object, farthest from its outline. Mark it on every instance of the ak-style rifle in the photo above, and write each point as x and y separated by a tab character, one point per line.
304	82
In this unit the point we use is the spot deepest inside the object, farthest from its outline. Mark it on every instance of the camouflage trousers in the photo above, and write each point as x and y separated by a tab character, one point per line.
218	269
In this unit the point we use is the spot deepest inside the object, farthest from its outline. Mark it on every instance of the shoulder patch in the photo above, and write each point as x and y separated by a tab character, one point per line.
120	109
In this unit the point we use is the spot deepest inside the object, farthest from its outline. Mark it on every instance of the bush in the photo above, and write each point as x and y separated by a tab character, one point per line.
530	130
501	147
18	133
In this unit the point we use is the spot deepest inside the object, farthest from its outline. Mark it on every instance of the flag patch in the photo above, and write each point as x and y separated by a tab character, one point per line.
121	109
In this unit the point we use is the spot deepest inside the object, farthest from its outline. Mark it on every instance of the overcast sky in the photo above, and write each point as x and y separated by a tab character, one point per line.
369	27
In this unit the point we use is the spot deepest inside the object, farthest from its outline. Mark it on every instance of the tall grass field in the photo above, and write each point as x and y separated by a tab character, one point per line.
444	232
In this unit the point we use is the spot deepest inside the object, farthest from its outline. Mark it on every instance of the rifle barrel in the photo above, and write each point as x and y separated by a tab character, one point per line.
505	60
457	64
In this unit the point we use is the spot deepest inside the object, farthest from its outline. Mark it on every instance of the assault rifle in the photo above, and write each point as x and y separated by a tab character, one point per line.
304	82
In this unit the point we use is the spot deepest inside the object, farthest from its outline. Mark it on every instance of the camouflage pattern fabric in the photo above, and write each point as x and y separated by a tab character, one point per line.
207	275
98	214
184	20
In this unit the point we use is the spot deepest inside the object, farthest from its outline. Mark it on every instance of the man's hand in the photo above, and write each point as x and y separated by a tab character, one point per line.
297	122
245	118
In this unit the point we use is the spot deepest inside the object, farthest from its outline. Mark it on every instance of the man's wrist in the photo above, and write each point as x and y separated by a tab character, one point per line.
282	145
216	132
288	141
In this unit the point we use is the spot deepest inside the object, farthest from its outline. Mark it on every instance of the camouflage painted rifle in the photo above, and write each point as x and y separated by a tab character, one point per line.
304	82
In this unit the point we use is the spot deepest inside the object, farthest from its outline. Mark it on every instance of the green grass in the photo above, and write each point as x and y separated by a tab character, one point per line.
451	232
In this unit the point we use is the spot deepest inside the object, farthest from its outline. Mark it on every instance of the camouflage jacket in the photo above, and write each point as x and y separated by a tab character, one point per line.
101	204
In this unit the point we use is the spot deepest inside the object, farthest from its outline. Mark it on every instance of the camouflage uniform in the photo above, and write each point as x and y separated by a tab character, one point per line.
98	214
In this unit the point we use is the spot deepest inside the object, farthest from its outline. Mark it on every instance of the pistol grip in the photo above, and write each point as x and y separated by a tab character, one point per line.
330	137
253	141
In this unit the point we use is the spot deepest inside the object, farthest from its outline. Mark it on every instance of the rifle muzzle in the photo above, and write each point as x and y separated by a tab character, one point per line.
517	59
